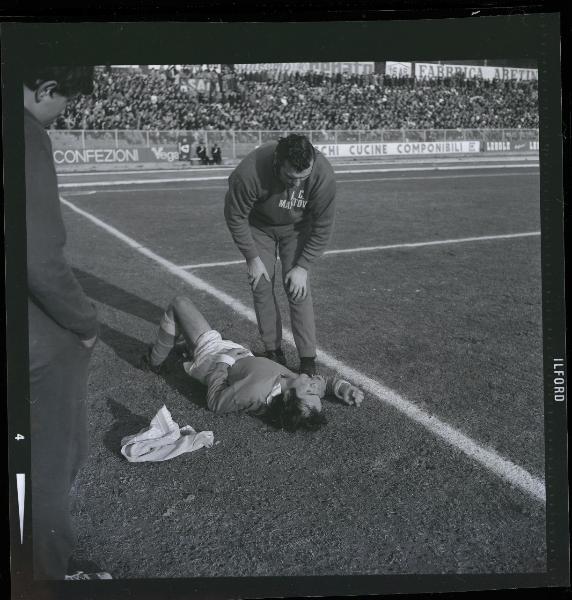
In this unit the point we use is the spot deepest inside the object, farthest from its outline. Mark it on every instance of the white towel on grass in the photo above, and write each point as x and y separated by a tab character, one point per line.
163	440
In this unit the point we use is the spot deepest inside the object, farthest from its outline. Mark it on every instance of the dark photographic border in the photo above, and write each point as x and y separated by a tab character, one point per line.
316	34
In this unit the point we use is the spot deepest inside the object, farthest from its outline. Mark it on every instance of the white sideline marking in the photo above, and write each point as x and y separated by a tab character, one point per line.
350	171
140	181
221	187
213	264
452	159
503	468
150	190
438	168
424	178
390	247
434	243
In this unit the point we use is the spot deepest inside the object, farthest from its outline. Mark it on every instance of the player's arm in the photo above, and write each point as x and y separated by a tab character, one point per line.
343	390
238	203
221	397
51	282
323	216
323	213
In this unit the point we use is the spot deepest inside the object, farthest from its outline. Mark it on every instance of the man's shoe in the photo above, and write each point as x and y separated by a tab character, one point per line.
81	576
145	363
308	365
276	355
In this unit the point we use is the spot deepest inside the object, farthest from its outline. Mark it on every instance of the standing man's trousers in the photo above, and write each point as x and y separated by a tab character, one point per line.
58	387
287	242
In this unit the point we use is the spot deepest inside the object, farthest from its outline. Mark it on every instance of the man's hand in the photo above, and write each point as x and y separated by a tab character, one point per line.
349	394
90	343
355	397
256	269
296	283
237	353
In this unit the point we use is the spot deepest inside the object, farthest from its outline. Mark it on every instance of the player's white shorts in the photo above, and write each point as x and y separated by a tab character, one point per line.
209	346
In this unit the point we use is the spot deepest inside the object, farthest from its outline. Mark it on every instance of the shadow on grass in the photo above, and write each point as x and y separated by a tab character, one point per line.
172	373
124	423
118	298
131	350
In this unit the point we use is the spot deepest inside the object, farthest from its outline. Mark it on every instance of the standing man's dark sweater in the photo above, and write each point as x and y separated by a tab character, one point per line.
54	294
281	200
62	328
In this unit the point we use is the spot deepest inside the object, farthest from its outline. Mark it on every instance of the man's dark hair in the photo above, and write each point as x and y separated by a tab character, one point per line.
286	413
297	150
70	80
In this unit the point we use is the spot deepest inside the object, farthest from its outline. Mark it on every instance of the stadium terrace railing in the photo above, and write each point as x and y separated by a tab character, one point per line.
236	144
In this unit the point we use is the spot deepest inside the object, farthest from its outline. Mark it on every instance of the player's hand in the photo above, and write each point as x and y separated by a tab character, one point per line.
355	397
350	394
256	269
90	343
237	353
296	282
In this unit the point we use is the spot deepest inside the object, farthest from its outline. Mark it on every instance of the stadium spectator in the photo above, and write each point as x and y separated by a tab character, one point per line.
240	382
201	151
312	101
184	150
216	154
62	330
281	202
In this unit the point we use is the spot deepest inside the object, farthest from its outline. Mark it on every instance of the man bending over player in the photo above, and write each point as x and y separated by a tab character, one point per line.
281	202
237	380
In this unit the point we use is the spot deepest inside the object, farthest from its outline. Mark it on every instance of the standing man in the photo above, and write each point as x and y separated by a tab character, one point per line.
202	153
62	330
216	154
184	150
281	202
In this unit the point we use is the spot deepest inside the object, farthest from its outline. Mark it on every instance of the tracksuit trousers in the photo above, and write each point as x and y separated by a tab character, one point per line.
286	242
58	388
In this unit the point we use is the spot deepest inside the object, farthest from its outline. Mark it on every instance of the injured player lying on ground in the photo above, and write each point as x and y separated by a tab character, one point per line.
239	381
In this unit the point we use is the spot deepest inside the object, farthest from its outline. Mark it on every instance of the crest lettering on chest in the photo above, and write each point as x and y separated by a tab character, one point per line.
295	200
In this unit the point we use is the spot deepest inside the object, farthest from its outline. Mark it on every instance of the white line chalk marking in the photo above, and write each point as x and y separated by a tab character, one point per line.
151	190
213	264
503	468
432	177
87	193
192	188
434	243
139	181
355	163
390	247
443	168
350	171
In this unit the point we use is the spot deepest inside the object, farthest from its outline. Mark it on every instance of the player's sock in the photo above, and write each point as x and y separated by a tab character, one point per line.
165	340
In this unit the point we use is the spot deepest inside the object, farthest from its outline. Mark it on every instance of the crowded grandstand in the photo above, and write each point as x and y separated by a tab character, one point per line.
220	97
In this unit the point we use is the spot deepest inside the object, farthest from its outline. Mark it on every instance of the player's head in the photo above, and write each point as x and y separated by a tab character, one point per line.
293	159
47	90
299	406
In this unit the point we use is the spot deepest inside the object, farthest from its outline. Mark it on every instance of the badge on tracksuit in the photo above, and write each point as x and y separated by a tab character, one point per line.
293	198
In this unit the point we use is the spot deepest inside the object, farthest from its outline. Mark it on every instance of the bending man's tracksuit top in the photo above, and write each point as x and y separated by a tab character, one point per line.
59	317
266	218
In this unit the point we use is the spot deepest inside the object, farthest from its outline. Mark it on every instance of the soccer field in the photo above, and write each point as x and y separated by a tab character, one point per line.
429	297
